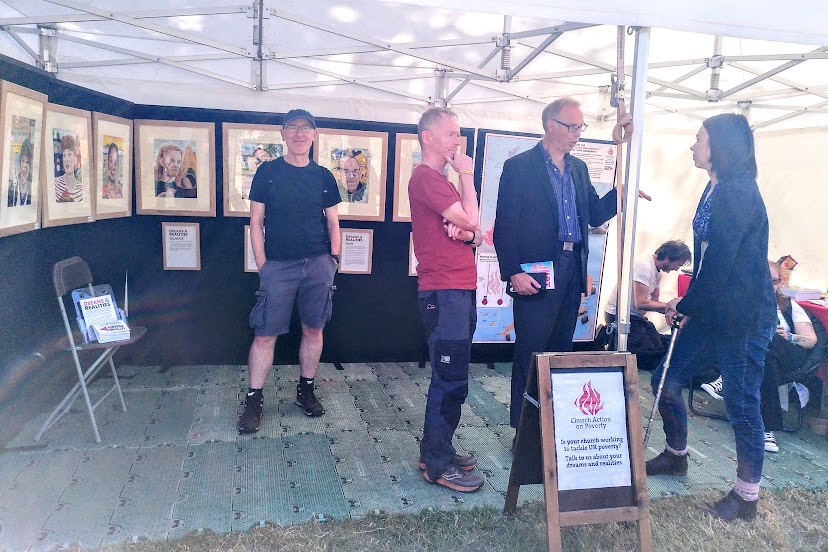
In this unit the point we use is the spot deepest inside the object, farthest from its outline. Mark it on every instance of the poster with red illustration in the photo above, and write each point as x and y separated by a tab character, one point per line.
590	430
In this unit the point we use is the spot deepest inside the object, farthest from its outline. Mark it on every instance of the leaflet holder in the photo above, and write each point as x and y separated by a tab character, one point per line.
74	274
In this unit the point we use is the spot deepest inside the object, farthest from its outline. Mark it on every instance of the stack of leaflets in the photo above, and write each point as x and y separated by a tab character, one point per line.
101	320
799	294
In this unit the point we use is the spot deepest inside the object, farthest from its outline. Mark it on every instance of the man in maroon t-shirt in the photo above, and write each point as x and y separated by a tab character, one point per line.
445	225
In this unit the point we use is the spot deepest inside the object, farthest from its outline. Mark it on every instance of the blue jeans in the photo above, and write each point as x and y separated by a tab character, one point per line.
449	317
741	361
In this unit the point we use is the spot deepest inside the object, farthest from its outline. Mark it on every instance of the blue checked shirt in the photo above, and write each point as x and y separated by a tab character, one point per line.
568	227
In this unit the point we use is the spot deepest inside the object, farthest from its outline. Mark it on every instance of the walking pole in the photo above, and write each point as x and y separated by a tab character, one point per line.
668	358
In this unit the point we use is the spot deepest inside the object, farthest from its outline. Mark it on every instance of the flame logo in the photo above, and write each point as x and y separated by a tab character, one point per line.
590	401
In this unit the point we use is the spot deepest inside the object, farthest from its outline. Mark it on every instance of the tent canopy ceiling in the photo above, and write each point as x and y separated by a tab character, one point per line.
388	60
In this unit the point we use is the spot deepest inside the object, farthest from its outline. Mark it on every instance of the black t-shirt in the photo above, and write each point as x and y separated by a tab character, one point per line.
294	200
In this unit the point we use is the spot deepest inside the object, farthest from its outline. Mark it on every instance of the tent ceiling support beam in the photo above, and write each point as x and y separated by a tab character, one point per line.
22	44
137	61
385	45
558	29
89	18
351	80
683	78
365	49
467	79
149	57
152	27
791	115
340	82
816	54
767	74
610	69
532	55
794	85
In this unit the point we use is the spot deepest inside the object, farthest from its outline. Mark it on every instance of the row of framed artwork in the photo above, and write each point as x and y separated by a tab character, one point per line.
62	165
182	249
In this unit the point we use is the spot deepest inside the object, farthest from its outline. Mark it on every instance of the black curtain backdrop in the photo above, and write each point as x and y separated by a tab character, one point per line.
199	317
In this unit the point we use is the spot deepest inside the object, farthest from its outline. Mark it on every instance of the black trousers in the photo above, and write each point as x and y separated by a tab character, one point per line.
545	322
783	358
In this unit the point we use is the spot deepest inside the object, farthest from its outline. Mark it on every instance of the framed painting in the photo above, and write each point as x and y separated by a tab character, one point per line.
175	171
67	170
246	147
21	144
357	159
113	159
182	245
357	251
407	157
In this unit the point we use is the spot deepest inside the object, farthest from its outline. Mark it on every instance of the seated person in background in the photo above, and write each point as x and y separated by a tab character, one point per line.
790	351
644	340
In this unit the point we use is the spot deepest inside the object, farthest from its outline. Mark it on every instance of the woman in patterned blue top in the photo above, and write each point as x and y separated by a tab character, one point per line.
728	311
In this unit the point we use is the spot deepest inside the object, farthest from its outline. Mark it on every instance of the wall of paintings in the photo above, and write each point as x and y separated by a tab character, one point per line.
91	175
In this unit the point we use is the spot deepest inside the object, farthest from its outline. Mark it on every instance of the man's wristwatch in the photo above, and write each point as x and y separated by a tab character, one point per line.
471	241
335	258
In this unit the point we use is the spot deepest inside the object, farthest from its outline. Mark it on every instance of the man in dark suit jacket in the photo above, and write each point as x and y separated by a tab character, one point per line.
545	206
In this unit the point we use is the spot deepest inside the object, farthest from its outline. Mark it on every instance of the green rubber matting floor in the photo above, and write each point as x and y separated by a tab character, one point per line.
174	462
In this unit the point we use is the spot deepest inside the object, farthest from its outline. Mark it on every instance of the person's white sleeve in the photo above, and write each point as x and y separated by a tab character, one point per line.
798	314
642	273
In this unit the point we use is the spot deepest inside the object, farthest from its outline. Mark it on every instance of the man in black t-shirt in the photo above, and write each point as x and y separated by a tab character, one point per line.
292	202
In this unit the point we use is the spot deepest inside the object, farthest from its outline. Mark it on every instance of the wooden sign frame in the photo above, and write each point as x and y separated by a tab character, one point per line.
534	456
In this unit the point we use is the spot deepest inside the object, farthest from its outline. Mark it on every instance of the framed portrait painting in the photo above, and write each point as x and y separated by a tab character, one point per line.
408	156
113	160
246	147
357	159
67	170
175	171
21	144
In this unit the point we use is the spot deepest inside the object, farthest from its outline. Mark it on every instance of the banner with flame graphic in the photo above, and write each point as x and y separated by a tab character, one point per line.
590	416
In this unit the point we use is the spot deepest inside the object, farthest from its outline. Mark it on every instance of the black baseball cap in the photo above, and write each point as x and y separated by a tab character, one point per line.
294	114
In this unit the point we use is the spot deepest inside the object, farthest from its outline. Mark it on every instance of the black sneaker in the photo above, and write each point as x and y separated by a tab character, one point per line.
251	418
309	403
464	462
457	480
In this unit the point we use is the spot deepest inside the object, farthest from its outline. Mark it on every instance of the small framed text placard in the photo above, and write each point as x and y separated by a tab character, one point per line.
357	250
182	246
580	435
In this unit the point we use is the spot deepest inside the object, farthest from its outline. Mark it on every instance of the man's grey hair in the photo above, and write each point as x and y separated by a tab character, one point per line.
553	110
432	118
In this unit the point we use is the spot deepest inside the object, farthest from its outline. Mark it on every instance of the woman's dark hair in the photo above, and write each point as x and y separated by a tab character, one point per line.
731	146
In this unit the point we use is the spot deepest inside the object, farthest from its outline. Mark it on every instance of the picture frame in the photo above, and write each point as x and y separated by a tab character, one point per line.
67	167
246	146
412	258
175	168
22	114
249	258
113	160
407	157
357	250
181	242
343	151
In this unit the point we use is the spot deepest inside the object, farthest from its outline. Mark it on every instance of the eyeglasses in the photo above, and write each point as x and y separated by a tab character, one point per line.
296	128
354	172
573	128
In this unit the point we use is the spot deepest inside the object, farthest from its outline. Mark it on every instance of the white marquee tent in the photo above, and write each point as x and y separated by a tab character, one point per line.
495	63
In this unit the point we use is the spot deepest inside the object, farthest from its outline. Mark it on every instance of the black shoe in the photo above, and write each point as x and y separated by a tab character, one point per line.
251	418
309	403
731	507
667	463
